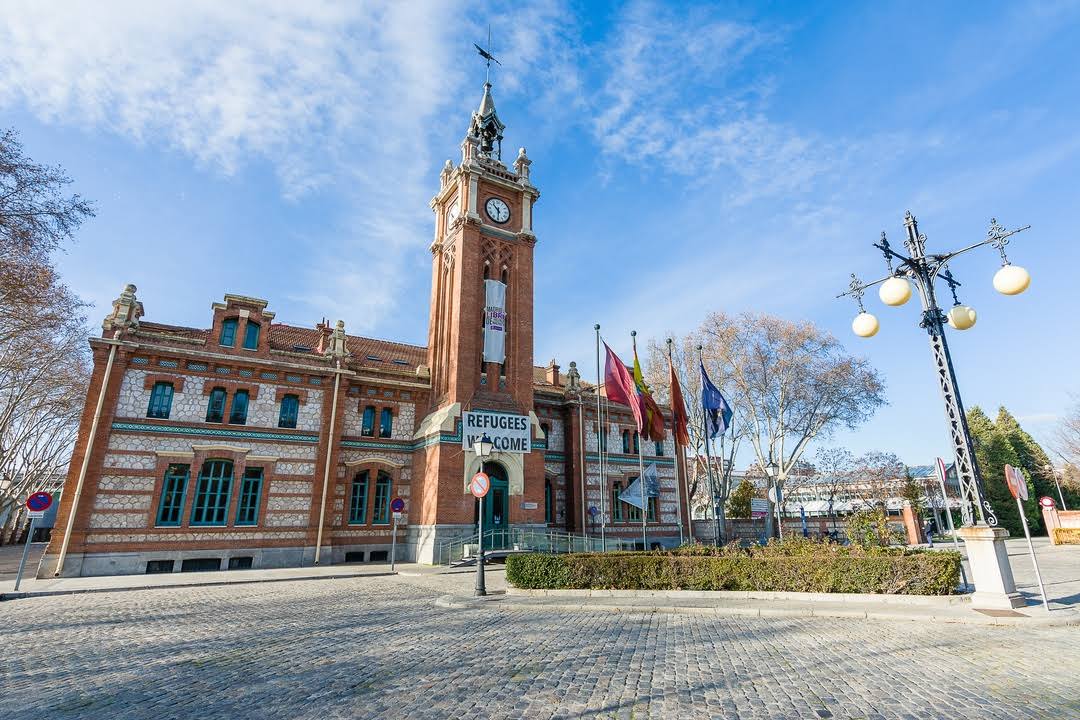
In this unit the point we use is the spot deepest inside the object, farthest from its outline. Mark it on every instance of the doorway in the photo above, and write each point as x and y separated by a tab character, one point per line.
496	506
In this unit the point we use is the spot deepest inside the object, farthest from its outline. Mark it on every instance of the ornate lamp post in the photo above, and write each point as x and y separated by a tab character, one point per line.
924	269
482	448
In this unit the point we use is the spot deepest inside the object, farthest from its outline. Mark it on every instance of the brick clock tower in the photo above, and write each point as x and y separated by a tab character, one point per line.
480	345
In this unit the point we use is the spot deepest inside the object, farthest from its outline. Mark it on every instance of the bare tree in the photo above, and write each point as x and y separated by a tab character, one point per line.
1067	436
723	449
835	474
878	477
793	381
44	366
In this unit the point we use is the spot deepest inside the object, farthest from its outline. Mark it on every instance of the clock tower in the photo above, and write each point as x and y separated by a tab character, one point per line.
480	336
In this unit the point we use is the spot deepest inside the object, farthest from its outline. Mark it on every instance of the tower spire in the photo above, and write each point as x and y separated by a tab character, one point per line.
486	126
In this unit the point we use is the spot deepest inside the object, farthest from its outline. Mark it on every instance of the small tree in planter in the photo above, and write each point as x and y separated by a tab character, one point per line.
869	527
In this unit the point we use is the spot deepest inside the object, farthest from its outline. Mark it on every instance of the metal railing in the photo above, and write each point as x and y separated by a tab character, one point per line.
449	552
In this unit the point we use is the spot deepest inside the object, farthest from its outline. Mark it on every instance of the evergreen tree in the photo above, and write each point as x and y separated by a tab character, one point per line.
993	451
738	505
1034	462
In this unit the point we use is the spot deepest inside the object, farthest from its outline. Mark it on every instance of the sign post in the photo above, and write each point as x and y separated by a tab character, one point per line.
1017	483
37	504
397	506
479	486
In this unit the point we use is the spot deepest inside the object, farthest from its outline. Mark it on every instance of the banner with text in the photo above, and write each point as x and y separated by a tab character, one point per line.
508	433
494	321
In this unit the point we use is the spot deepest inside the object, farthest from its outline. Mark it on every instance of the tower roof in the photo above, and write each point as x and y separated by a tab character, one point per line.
487	127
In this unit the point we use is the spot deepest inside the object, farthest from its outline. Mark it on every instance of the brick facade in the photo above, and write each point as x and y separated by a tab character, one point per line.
121	526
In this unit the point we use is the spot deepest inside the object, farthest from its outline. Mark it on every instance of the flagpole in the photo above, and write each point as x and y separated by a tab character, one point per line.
600	445
675	436
641	467
708	463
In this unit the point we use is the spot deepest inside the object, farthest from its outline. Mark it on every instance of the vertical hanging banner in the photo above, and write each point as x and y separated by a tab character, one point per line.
494	321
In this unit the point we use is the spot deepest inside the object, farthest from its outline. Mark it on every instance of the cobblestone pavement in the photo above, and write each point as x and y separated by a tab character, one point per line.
377	647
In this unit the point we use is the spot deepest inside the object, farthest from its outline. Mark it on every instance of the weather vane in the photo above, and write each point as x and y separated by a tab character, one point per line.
488	57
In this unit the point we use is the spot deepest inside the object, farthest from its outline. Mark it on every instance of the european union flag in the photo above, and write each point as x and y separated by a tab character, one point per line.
718	413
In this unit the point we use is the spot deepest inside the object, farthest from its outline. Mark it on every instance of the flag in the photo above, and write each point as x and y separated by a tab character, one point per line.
678	409
631	494
654	419
619	386
652	481
717	411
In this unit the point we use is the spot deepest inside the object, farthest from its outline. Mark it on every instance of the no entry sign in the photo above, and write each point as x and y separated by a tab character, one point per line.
39	502
480	484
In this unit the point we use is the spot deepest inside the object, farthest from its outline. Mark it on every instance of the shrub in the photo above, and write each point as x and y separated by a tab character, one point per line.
792	566
1067	536
870	528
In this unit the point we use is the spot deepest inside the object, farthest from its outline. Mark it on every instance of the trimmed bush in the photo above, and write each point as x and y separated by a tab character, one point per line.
791	566
1067	536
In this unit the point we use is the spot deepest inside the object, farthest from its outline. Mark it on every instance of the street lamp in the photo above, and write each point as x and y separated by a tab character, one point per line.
482	449
1053	473
923	270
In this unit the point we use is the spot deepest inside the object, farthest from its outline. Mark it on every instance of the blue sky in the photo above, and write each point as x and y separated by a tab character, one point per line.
727	156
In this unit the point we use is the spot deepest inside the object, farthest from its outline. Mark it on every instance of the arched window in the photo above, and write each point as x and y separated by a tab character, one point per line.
367	427
238	413
228	332
251	336
626	442
160	400
358	499
211	506
290	409
215	408
381	514
386	423
549	503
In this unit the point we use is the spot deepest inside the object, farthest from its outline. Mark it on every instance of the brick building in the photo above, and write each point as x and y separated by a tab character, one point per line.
250	443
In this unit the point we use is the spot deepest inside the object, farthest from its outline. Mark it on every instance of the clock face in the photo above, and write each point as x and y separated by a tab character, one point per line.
452	212
497	210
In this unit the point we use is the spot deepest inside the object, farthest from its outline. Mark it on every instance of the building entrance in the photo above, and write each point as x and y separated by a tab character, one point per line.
496	504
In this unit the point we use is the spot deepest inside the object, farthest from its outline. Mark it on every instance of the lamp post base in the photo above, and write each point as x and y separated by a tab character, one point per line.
991	573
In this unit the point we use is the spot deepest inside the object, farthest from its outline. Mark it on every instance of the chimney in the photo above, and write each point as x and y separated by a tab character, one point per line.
552	373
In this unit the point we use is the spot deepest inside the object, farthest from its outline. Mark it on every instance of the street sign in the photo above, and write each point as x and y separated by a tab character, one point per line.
1017	483
479	485
398	515
35	515
773	493
39	502
759	507
1046	502
593	511
397	505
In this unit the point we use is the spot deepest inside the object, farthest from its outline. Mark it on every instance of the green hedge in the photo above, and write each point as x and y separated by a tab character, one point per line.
792	566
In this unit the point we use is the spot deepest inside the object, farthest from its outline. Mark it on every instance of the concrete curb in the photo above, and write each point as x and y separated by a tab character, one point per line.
173	586
764	609
869	598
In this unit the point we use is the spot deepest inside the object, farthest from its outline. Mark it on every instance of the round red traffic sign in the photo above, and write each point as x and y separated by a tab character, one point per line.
1047	502
397	505
480	484
39	501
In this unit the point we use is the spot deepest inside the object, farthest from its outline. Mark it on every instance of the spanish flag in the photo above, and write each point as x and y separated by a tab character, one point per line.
652	418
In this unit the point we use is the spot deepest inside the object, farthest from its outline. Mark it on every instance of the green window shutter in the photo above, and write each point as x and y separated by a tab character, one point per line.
381	516
367	429
290	410
358	499
215	407
214	487
386	423
238	413
173	493
247	512
251	336
228	332
160	401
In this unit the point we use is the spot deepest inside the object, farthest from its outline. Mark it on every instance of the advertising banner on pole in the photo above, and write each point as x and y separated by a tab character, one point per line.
494	321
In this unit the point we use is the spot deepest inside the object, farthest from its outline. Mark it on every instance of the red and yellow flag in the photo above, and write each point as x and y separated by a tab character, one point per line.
679	419
651	425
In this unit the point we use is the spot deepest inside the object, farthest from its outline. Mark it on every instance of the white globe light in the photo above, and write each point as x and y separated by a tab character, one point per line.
1011	280
961	317
865	325
895	291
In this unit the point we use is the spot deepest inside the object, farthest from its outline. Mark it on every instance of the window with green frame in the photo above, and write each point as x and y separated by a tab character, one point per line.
636	445
652	510
251	336
173	492
602	431
367	427
386	423
549	504
215	407
211	505
626	442
290	409
660	448
616	503
633	514
228	332
358	499
247	511
381	514
238	412
160	400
